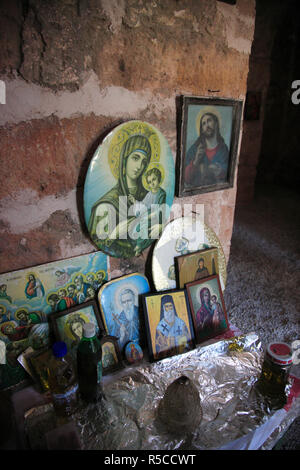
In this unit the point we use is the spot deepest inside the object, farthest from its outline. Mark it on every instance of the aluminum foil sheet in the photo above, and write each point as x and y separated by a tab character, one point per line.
224	372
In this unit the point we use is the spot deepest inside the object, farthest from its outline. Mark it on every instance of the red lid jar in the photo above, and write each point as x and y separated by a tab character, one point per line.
273	380
280	353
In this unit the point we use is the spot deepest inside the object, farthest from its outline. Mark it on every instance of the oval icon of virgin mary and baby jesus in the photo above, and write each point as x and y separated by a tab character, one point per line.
129	189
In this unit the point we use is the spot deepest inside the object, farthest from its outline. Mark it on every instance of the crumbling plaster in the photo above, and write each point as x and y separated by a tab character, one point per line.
27	101
85	67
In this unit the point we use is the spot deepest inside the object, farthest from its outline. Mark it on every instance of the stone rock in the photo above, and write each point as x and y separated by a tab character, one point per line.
180	409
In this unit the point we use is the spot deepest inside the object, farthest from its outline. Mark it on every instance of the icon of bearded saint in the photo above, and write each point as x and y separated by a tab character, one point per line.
172	335
126	326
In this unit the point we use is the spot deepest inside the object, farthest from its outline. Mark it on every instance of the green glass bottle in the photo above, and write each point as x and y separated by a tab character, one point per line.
89	365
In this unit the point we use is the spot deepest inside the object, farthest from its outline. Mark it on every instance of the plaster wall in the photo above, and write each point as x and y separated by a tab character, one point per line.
75	69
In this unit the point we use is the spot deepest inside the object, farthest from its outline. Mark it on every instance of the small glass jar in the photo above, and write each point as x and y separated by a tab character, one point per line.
273	380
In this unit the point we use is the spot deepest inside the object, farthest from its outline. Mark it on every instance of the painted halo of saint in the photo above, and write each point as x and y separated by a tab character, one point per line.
129	216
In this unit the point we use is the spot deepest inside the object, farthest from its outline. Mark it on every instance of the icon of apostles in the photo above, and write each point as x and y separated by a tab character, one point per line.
172	335
126	326
114	224
207	158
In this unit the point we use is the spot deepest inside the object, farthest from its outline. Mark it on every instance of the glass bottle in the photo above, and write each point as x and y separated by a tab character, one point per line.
62	380
89	365
273	381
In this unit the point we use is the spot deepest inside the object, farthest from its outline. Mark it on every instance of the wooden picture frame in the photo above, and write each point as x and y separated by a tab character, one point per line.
111	355
38	362
196	265
67	325
209	316
161	310
210	132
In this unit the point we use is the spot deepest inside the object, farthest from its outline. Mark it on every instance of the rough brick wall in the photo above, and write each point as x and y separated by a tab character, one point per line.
73	69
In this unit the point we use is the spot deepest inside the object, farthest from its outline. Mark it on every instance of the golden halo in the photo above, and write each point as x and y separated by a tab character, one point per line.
21	309
150	166
31	274
207	109
101	271
13	323
78	274
120	136
50	293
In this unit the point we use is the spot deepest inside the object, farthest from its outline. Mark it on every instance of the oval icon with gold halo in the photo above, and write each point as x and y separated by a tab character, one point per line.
129	189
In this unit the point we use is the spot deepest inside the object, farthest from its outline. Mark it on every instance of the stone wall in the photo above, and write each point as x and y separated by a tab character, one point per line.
73	69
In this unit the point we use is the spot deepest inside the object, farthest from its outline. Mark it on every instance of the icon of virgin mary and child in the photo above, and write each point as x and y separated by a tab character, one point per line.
124	226
210	317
